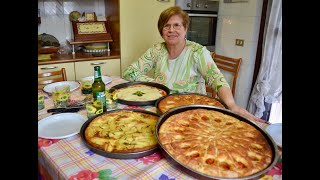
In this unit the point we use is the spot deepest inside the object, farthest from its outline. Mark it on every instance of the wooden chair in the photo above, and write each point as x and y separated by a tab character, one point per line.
51	77
229	64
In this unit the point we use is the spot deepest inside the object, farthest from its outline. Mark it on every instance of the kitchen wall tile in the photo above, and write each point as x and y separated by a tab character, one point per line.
245	77
247	53
55	15
53	7
96	6
68	28
225	46
241	9
226	27
55	26
242	97
230	9
251	8
248	27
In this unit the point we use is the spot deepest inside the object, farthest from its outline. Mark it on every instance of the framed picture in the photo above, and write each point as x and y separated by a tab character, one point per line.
90	16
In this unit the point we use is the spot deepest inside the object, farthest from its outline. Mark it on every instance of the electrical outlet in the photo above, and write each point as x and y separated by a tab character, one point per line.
239	42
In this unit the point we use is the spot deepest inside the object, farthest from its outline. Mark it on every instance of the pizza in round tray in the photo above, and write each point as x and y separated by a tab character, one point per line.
215	144
139	92
176	100
122	131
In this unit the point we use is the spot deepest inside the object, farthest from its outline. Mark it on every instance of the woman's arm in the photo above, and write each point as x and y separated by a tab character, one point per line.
137	70
225	94
216	80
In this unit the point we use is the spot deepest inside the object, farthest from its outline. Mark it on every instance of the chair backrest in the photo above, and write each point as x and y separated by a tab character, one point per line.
229	64
51	77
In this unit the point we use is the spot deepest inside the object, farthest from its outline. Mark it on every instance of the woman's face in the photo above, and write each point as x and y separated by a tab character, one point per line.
173	31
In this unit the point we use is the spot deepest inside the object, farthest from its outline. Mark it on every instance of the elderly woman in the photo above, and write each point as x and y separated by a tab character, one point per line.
180	64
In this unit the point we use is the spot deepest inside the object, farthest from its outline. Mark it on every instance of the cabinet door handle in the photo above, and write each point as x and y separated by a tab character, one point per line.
97	63
46	68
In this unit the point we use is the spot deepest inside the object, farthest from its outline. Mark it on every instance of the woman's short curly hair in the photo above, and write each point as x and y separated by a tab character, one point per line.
168	13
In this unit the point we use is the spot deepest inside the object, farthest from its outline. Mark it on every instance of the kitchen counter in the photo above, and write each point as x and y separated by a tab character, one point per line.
78	56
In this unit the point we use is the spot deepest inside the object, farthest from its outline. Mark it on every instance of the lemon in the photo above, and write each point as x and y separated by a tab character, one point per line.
91	109
109	101
107	94
40	98
115	96
87	84
63	98
99	111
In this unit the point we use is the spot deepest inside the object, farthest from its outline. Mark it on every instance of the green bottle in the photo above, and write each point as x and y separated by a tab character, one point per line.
98	87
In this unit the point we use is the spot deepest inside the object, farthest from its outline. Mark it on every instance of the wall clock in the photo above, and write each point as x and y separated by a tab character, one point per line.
90	16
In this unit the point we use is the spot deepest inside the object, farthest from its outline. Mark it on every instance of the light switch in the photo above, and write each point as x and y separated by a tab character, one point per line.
239	42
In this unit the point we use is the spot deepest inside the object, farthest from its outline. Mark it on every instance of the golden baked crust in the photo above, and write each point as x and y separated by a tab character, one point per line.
215	144
139	92
122	131
177	100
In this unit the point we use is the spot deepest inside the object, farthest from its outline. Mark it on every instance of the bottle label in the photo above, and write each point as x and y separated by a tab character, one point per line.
102	96
97	74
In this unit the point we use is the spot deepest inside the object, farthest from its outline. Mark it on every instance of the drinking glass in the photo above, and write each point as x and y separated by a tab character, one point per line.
40	100
86	87
94	108
61	96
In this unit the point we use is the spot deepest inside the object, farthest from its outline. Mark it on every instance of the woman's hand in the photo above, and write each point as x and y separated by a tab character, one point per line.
239	110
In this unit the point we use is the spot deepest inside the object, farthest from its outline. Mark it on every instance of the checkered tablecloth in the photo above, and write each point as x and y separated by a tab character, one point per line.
70	159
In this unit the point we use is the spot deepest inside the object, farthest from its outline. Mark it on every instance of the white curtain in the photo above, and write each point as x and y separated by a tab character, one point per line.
268	86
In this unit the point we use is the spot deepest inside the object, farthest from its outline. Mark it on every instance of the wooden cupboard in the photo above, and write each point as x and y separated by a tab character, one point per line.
109	67
54	67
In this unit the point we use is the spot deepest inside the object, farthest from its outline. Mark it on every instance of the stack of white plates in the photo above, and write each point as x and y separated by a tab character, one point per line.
275	131
105	79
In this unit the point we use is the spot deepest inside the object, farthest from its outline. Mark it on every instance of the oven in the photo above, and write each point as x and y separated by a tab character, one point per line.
203	16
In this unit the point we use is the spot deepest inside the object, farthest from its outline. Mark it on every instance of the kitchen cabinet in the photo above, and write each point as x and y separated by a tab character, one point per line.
54	67
109	67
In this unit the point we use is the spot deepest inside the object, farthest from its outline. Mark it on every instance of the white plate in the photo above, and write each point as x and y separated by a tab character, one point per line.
50	87
60	126
275	131
105	79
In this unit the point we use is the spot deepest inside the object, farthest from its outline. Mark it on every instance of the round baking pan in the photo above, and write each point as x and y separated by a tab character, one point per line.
139	103
185	93
132	155
198	174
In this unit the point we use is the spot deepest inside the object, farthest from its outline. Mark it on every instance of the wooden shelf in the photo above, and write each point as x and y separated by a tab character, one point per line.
72	42
87	42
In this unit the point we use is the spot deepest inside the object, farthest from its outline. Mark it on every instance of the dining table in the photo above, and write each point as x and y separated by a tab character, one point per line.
70	159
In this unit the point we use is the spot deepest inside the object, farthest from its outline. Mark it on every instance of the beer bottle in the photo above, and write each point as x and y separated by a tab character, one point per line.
98	87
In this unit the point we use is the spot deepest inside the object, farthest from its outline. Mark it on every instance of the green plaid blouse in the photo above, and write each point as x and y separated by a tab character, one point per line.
189	72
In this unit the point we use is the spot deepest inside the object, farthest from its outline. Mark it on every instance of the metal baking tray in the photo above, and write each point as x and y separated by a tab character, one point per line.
185	93
139	103
198	174
113	155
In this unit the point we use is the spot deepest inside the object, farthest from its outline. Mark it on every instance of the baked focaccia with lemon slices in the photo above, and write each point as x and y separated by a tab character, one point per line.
122	131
